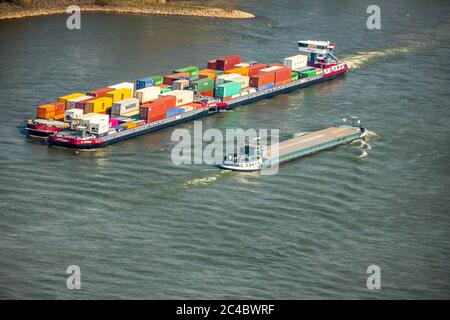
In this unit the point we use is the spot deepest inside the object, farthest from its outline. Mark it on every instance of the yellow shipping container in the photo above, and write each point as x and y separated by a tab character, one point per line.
208	72
129	125
45	111
99	105
242	71
70	97
119	94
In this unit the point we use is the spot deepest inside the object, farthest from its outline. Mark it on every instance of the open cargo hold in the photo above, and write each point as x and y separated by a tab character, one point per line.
144	83
147	94
262	79
227	89
121	107
70	96
121	85
193	71
243	71
296	62
255	68
98	93
176	76
180	84
181	96
99	105
72	103
202	85
119	94
228	62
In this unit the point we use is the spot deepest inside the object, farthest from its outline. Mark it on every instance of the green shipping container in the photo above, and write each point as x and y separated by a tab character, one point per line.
295	76
227	89
157	80
202	85
193	71
166	89
308	73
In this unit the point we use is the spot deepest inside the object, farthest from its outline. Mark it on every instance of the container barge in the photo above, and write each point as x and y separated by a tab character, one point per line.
256	158
107	115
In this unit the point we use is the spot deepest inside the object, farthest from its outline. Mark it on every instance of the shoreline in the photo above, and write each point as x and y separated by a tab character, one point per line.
150	10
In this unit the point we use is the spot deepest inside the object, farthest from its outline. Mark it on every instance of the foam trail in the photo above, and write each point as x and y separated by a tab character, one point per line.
363	154
356	61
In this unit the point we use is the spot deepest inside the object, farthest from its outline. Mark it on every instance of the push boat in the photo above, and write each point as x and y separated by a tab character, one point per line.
320	56
256	158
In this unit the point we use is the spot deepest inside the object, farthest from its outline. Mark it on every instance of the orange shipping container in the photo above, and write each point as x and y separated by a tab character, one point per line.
254	69
261	79
169	79
242	71
98	93
45	111
129	125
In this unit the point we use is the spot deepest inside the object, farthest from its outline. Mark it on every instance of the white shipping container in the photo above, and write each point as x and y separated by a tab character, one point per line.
128	85
296	62
72	114
242	65
221	79
270	69
180	84
82	120
70	104
124	106
98	127
182	96
243	80
147	94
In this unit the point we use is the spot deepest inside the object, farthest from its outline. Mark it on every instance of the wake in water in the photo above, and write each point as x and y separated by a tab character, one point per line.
356	61
364	146
205	180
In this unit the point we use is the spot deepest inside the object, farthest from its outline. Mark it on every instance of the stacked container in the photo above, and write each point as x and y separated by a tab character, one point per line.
119	94
72	103
181	96
282	75
174	112
202	85
147	94
176	76
98	93
71	114
53	110
180	84
243	71
254	69
193	72
226	77
99	105
144	83
209	73
122	107
69	97
227	89
296	62
156	110
228	62
128	85
263	81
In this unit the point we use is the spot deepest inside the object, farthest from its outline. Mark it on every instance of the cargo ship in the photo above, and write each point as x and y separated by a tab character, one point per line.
256	158
107	115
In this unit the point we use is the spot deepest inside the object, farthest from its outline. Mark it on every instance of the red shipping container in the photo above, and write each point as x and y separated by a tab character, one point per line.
254	69
208	93
100	92
261	79
212	64
227	63
60	107
276	65
169	79
156	118
156	108
82	104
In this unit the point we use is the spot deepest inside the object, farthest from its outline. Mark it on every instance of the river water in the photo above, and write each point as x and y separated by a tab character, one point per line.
140	227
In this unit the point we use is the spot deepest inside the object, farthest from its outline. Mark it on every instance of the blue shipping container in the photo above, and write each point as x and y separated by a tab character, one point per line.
174	112
144	83
119	128
265	87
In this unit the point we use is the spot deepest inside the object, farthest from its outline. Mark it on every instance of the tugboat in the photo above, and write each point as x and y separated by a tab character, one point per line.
256	158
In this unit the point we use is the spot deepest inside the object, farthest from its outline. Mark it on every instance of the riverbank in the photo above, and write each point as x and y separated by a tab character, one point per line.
10	11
